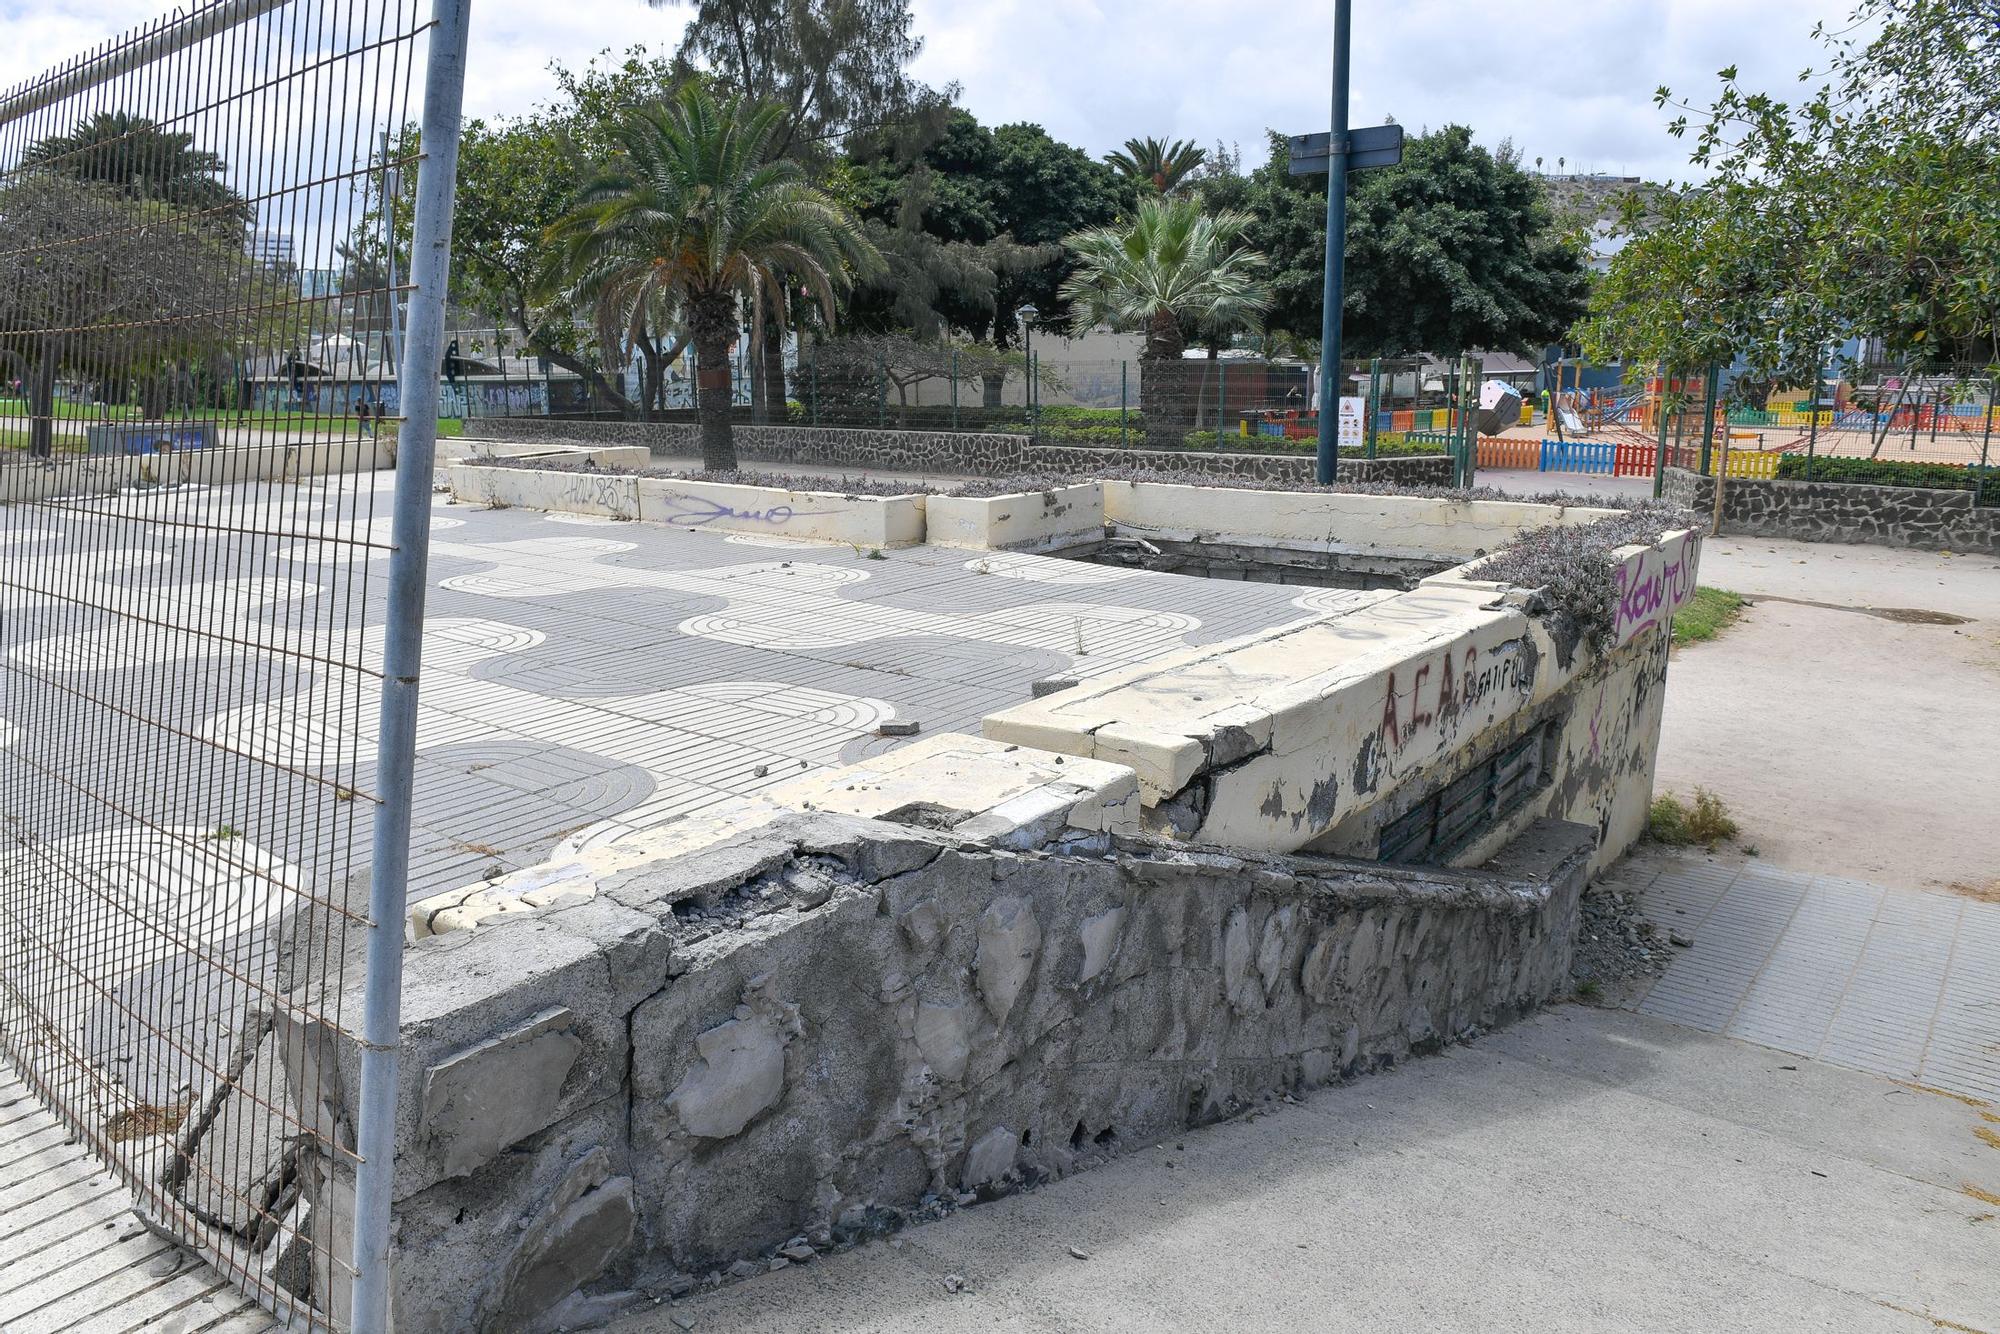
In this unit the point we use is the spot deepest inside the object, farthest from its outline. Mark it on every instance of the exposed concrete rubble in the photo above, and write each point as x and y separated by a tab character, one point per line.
954	1018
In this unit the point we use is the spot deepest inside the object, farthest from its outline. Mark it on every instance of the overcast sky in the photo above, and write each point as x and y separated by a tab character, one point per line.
1561	79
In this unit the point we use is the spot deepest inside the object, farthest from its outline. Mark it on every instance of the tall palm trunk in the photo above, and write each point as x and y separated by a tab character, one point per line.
760	408
713	321
774	372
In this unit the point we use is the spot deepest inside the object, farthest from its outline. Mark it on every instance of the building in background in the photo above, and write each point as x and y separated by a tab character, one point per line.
274	250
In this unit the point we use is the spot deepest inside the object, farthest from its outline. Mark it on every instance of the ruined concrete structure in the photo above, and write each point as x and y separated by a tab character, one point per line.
980	961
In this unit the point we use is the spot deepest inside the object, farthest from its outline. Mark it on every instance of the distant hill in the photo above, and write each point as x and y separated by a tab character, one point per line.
1581	200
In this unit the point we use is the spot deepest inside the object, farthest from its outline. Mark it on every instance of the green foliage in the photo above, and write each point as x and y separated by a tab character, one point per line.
1712	611
1677	824
690	217
1157	165
833	70
1452	250
1871	207
978	214
1174	267
1888	472
140	160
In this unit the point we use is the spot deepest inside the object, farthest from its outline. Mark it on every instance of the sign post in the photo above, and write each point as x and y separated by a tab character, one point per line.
1334	153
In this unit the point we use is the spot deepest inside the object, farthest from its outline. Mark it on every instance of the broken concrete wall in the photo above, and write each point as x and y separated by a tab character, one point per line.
1602	739
1314	734
810	1028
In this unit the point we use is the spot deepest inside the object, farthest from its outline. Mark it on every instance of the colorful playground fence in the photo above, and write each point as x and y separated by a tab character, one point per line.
1617	458
1498	451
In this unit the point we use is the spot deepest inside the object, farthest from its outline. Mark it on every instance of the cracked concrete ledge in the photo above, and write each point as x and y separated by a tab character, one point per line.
1291	738
819	1023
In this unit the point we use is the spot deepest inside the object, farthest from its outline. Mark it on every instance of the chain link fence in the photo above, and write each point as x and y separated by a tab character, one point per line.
195	585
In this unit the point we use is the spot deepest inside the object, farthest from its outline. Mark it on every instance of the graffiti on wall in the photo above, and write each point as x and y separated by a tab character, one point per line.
1655	583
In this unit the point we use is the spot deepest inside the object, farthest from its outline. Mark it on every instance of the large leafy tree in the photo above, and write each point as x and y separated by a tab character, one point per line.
136	157
991	208
1157	165
1452	250
834	68
115	290
1870	206
692	213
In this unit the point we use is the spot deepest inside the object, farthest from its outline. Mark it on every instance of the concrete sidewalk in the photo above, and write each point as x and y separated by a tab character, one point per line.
1588	1170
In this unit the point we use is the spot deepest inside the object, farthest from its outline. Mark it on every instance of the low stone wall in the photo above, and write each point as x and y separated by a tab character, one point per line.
1894	516
959	453
796	1034
70	475
1024	521
968	453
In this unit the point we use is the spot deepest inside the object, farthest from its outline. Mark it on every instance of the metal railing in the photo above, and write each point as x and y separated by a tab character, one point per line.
212	611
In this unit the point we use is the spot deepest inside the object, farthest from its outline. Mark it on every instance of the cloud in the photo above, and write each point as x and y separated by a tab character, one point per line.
1559	79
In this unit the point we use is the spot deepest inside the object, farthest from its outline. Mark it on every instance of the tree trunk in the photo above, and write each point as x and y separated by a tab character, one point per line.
760	405
774	374
1169	395
41	388
713	318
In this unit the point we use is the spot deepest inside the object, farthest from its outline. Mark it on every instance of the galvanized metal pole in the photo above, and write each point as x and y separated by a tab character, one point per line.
1124	369
1331	293
954	389
402	656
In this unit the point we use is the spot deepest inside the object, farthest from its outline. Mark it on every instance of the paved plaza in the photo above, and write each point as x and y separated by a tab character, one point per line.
582	678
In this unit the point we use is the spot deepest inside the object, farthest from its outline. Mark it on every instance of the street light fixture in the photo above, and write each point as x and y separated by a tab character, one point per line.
1026	315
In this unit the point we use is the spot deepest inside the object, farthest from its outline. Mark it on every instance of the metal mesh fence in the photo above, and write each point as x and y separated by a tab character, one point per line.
194	547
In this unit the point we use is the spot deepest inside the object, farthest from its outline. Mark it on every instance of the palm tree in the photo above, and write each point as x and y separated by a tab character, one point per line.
1158	163
690	216
1171	269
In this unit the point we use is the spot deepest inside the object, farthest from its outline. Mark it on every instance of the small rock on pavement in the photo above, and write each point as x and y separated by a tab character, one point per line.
1077	1254
1049	685
798	1252
898	727
954	1283
682	1321
1681	938
745	1268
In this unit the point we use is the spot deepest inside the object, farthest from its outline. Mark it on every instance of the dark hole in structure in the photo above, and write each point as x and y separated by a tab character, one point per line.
1078	1136
1267	564
926	815
1106	1136
1027	1139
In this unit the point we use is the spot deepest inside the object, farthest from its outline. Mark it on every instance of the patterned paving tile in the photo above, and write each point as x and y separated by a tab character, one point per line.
1889	981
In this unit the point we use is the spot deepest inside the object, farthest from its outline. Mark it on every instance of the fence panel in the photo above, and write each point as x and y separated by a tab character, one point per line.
194	572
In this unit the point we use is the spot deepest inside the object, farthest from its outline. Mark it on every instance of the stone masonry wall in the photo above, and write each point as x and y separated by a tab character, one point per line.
960	453
811	1029
1895	516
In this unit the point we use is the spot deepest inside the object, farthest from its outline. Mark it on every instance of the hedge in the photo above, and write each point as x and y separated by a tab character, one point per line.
1892	472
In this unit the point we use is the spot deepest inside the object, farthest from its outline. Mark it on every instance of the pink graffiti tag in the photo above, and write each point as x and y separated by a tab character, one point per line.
1652	588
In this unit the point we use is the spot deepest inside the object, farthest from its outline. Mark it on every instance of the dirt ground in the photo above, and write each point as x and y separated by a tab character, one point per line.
1851	718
